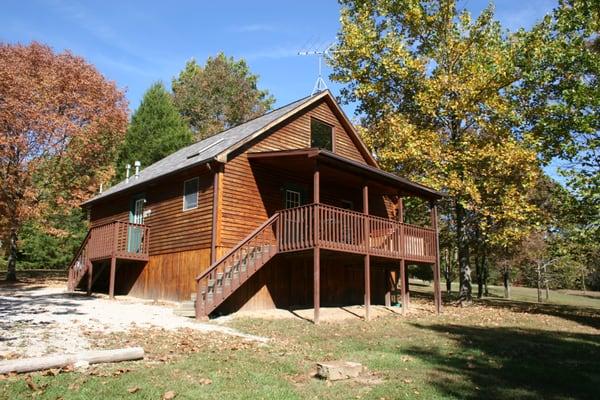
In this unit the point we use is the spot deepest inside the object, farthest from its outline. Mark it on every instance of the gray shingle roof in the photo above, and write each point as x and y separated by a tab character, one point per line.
207	149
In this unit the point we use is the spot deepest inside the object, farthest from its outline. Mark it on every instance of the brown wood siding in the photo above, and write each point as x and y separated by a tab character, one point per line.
251	193
165	276
171	228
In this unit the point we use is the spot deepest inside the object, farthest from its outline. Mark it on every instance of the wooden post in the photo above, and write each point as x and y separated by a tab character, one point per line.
400	209
111	287
403	298
89	281
113	261
317	284
437	293
215	234
367	255
388	287
317	250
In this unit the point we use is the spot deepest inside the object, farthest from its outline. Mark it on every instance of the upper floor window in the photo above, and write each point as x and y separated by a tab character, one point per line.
190	194
321	135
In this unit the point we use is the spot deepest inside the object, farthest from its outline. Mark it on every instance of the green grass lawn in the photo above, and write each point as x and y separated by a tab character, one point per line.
559	297
493	349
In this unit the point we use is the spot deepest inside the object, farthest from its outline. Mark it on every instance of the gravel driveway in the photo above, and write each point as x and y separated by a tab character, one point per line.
37	320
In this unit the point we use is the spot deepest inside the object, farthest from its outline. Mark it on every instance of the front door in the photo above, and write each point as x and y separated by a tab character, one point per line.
136	216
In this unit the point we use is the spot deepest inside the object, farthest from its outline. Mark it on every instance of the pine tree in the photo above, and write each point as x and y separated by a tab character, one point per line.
156	130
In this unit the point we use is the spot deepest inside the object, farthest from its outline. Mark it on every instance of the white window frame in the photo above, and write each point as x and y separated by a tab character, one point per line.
197	194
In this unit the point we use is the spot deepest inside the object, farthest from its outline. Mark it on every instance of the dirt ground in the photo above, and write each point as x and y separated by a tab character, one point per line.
43	319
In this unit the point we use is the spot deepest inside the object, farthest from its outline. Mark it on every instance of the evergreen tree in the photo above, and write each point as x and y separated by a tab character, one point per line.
156	130
222	94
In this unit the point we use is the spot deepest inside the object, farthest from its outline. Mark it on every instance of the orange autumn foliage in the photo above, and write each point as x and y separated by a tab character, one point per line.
60	124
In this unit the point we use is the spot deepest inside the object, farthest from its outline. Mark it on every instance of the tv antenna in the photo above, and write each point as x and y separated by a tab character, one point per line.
320	83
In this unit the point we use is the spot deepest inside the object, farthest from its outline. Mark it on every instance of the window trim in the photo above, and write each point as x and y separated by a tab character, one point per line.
294	191
197	194
333	147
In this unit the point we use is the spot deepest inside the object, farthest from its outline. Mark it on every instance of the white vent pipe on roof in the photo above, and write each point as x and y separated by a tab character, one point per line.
127	169
137	165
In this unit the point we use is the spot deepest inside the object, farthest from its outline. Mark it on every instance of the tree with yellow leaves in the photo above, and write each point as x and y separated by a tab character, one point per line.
436	94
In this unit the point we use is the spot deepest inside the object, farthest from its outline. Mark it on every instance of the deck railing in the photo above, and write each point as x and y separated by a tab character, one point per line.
112	239
119	239
334	228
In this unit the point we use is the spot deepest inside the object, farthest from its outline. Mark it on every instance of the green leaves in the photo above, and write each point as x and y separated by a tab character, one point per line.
156	130
221	94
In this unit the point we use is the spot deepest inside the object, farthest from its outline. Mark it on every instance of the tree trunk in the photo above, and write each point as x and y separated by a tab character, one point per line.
506	283
486	293
539	283
546	284
58	361
11	273
465	292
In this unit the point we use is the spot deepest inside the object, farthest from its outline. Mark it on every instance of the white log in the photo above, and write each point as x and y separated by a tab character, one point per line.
58	361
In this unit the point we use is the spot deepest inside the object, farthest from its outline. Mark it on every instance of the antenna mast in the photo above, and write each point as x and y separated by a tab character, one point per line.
320	83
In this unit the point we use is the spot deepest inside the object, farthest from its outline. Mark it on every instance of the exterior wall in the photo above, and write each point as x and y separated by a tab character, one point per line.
252	193
171	228
180	241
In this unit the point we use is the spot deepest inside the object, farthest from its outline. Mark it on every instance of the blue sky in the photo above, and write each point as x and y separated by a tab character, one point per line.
136	43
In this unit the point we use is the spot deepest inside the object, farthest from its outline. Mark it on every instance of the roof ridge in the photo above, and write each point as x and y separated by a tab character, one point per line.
250	120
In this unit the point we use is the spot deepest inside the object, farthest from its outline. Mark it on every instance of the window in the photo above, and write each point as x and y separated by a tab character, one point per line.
293	198
347	204
321	135
190	194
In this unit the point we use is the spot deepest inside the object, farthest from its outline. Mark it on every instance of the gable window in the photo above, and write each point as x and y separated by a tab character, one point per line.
293	198
321	135
190	194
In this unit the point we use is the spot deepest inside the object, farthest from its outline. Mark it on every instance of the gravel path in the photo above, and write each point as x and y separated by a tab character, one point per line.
42	320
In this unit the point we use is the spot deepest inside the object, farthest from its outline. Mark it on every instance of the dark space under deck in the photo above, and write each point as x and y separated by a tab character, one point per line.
286	282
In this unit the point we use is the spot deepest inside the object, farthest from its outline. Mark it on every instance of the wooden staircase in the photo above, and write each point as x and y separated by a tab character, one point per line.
80	265
226	275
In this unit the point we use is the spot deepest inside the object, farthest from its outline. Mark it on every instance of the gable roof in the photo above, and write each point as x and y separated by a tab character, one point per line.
219	146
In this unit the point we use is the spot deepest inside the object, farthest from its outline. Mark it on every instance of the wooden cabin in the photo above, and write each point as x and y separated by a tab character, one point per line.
287	210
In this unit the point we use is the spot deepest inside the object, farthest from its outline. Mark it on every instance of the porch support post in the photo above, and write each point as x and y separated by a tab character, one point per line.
111	285
317	284
216	223
367	255
400	209
113	261
317	250
89	280
388	287
403	297
437	293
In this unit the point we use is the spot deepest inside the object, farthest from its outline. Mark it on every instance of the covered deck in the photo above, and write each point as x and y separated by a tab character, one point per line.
318	226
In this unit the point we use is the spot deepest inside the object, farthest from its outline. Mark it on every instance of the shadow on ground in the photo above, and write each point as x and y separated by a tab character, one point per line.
586	316
504	363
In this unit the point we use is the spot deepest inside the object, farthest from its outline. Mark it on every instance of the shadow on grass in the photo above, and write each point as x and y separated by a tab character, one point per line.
586	316
499	363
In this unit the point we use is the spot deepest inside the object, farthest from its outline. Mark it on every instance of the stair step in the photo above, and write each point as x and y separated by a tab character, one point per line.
185	309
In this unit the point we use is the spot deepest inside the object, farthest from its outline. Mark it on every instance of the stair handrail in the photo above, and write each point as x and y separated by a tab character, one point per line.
248	238
81	247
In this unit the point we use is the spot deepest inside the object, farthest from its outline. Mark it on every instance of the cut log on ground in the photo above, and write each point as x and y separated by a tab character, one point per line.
59	361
